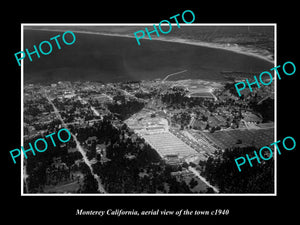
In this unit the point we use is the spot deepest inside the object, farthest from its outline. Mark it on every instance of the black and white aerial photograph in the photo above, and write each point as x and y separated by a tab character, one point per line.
162	117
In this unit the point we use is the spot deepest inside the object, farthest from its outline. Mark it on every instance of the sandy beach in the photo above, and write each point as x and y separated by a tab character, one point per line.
229	47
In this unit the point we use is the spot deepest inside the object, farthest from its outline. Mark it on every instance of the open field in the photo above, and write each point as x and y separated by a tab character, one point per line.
232	138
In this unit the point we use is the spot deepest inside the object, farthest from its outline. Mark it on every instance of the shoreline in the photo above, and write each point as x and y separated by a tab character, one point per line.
236	49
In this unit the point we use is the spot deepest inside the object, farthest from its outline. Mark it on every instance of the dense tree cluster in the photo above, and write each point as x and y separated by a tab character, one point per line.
124	108
131	176
174	95
222	171
132	165
37	165
182	118
265	108
177	97
142	172
144	95
89	183
259	102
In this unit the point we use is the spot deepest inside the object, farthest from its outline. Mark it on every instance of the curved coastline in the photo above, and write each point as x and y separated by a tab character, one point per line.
118	58
239	49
